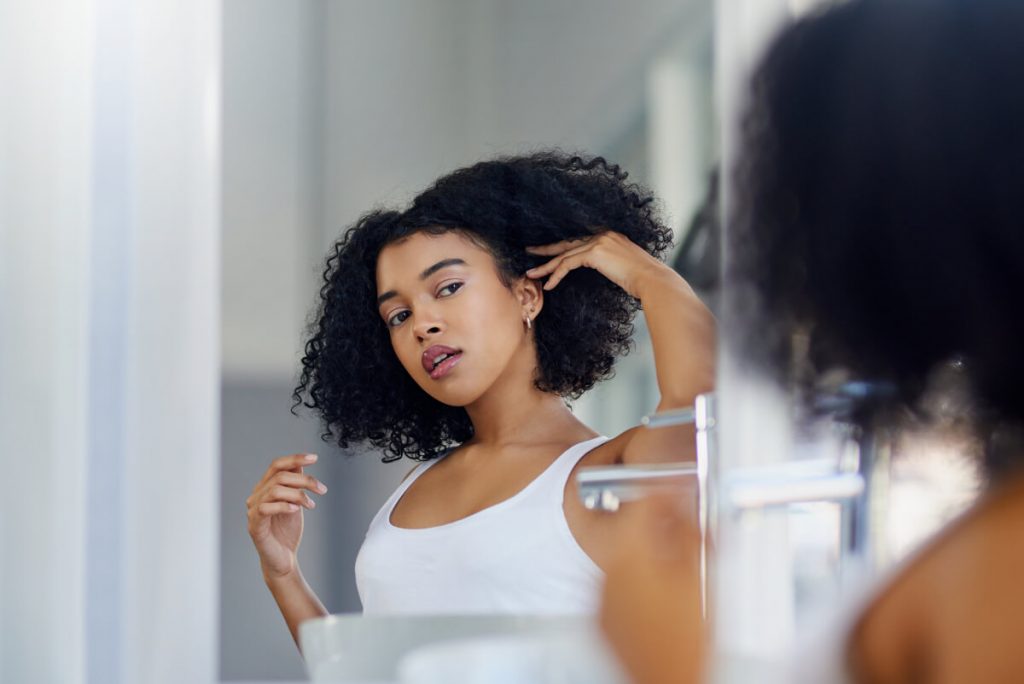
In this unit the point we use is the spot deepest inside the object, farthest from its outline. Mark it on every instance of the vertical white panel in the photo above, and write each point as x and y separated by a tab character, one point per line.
109	337
171	365
753	575
46	53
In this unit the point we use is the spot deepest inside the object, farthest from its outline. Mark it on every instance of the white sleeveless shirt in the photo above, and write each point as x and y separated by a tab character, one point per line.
515	557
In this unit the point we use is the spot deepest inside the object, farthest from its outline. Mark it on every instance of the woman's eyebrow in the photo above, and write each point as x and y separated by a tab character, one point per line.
429	271
444	263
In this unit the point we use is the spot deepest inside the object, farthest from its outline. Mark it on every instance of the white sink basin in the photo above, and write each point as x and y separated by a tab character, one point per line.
472	648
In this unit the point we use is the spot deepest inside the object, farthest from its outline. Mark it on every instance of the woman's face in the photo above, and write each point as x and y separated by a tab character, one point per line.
455	327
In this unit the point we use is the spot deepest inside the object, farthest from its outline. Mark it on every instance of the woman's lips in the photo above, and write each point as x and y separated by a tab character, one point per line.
446	366
427	359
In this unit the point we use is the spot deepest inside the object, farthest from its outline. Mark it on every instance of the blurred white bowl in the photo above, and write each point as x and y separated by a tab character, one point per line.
568	657
367	649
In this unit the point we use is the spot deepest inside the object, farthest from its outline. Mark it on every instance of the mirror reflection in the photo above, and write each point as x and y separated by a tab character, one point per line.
432	342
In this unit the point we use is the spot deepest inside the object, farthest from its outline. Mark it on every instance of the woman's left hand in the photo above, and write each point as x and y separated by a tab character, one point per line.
612	254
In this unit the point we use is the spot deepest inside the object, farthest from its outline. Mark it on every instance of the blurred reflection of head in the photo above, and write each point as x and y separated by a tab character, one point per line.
879	226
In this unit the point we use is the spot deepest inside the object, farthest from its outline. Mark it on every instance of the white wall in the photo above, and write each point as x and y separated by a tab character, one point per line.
417	89
272	180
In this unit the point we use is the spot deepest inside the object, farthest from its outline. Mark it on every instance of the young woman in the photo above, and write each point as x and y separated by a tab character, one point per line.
453	333
880	221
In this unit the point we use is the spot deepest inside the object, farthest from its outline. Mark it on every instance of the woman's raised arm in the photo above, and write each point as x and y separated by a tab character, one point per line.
682	331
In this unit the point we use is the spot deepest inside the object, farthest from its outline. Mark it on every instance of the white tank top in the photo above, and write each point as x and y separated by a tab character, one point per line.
515	557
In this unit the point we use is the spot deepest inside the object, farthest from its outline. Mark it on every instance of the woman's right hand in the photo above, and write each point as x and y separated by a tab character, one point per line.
275	512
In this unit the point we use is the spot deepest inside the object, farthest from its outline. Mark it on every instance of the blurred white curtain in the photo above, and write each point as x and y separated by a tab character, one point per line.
109	290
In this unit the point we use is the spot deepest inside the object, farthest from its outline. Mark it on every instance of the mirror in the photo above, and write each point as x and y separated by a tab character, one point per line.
331	109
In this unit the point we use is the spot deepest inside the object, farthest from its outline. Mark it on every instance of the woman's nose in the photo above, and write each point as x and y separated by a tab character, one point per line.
428	325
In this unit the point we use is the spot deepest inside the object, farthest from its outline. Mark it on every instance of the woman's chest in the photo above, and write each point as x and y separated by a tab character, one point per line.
451	492
516	497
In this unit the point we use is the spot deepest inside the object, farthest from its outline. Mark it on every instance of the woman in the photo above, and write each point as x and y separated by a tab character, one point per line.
453	333
880	227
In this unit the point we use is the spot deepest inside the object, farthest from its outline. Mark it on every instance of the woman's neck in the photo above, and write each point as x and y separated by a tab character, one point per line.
523	416
514	411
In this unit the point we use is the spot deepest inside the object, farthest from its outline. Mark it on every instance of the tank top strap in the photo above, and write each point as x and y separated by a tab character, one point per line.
553	480
385	511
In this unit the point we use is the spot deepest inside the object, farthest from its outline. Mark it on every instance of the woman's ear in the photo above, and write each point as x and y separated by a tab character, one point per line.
530	294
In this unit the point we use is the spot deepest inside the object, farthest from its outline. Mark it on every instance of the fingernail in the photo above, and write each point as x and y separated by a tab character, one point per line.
309	458
321	487
293	507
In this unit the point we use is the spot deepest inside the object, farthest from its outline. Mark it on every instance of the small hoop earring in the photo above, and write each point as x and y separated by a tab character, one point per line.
528	324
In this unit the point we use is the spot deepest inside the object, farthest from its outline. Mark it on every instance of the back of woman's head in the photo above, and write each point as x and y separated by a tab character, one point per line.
350	373
880	211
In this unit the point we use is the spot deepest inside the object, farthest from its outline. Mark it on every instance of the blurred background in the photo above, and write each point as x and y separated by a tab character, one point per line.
333	108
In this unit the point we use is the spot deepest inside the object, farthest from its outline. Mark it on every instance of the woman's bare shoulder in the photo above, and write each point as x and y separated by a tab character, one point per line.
610	452
951	613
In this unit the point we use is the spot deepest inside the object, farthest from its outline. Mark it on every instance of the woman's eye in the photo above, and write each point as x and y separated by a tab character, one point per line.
450	289
397	318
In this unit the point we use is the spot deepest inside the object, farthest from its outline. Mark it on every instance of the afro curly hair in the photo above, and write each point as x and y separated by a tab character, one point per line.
350	374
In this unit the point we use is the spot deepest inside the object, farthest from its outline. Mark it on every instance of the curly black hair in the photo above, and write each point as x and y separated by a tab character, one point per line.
879	216
350	374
